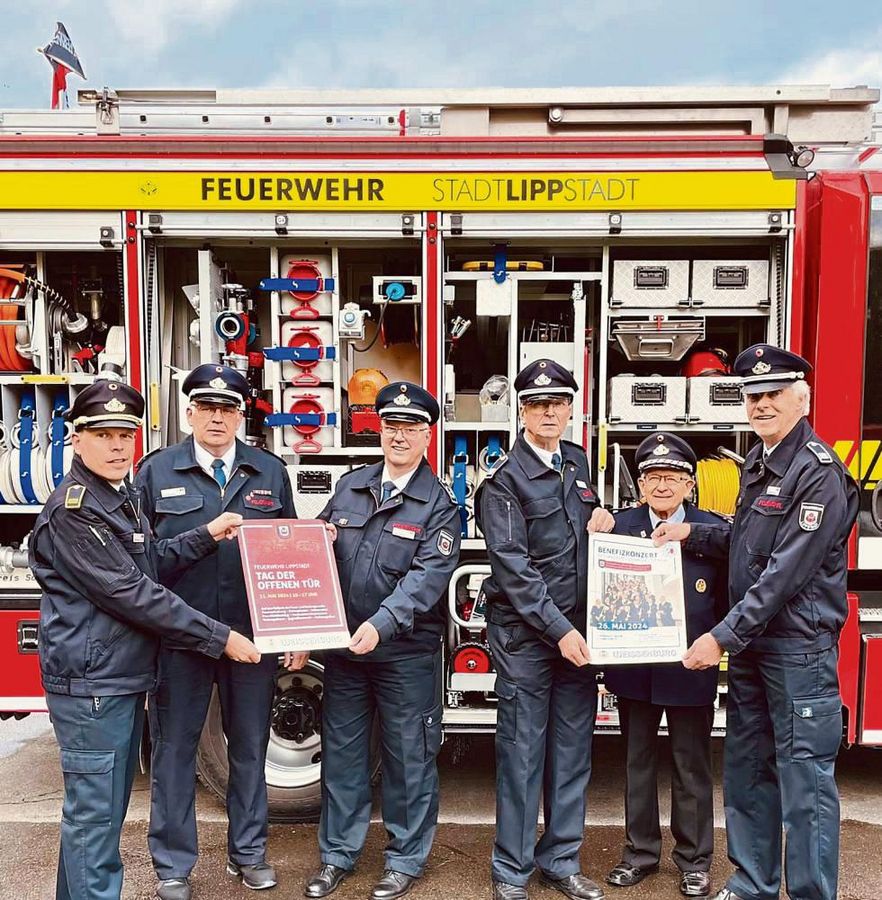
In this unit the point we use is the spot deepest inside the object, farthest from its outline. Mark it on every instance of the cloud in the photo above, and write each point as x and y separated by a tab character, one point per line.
843	67
458	44
152	27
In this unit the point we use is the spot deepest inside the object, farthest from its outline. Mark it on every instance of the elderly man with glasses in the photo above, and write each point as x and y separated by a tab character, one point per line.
534	510
397	544
184	486
666	464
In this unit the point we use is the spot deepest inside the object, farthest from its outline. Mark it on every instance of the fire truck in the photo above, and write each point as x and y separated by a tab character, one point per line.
326	244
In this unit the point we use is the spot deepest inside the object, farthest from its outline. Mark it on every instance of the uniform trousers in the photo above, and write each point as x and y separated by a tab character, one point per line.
99	739
403	695
177	712
782	735
692	792
544	726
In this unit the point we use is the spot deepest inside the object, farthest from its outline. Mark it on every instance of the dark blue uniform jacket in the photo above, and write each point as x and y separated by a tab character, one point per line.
672	684
534	521
786	548
395	560
102	608
179	494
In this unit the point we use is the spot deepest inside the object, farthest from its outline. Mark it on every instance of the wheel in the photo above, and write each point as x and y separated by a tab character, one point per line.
294	753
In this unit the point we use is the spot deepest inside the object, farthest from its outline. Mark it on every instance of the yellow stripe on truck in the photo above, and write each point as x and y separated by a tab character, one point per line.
353	190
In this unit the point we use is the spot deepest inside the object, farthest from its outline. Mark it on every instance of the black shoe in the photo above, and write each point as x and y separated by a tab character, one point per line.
626	875
726	894
257	877
503	891
393	884
695	884
173	889
325	881
576	887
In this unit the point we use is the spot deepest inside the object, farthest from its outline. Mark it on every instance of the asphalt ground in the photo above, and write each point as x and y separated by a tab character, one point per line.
30	801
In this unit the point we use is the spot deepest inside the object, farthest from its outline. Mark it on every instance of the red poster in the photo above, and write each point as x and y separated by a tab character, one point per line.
293	590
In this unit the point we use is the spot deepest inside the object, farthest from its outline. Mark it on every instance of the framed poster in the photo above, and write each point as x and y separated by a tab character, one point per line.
293	589
636	606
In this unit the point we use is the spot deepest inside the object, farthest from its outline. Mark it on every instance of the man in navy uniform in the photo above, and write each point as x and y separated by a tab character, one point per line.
183	486
666	464
787	578
102	610
534	509
397	544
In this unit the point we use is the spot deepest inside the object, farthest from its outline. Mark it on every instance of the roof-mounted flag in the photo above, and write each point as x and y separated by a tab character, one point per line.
63	57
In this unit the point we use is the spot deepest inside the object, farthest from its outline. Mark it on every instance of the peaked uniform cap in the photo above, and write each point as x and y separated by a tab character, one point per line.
544	379
763	367
220	385
665	451
106	404
407	402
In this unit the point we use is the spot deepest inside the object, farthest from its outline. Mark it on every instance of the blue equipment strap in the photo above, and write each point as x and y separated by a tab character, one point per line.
500	260
297	284
460	487
300	354
26	446
274	420
56	436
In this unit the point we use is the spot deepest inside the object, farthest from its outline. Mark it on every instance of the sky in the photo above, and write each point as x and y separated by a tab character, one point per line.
443	43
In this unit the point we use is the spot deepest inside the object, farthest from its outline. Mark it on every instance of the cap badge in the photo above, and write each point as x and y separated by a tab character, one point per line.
542	380
402	400
761	368
661	450
115	406
218	384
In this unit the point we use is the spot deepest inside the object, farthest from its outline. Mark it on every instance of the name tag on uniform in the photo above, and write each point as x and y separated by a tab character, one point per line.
137	538
411	532
173	492
773	489
581	484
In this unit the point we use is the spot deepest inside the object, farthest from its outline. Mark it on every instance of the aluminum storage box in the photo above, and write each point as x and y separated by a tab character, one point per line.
637	399
313	487
655	283
730	283
717	400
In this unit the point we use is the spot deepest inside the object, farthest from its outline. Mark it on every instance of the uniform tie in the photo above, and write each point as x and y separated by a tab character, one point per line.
556	461
220	476
388	487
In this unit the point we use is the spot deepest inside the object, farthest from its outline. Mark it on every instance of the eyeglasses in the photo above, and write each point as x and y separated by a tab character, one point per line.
667	480
408	433
225	412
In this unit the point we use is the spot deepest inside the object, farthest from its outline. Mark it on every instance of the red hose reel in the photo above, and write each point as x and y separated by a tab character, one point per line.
305	269
306	338
471	659
307	404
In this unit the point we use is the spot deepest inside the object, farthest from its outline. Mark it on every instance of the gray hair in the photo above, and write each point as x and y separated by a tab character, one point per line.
804	392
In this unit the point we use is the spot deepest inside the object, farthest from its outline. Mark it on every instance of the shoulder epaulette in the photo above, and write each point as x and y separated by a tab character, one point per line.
820	451
448	490
147	456
74	496
497	466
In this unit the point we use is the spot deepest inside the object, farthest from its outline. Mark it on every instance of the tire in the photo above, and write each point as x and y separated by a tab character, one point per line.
293	759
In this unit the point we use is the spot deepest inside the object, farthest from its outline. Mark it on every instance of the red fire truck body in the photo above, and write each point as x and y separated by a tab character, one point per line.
464	236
